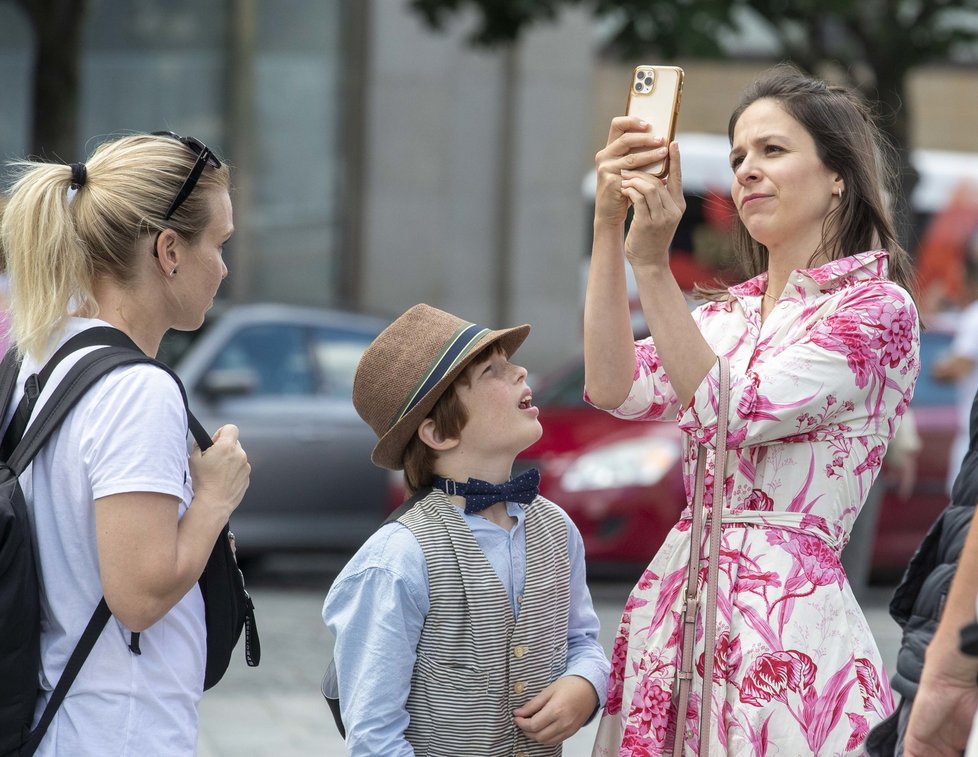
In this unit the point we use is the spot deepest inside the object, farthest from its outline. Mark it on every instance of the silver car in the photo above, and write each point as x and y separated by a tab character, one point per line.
284	375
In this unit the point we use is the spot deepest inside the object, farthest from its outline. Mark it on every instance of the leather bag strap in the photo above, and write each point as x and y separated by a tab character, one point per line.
691	600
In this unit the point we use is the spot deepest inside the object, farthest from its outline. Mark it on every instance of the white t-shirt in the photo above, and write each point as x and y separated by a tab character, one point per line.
127	434
965	345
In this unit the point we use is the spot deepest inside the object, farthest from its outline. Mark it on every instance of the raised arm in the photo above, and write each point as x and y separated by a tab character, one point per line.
609	354
659	206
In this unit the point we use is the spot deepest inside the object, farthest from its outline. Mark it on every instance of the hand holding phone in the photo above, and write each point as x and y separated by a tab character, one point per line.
654	95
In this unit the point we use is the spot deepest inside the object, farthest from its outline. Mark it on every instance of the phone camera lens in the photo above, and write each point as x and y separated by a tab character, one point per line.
639	86
640	75
648	80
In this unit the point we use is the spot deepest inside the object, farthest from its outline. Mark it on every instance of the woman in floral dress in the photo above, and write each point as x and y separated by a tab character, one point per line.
822	342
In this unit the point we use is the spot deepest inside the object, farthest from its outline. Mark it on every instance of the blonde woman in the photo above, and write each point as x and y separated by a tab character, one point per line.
132	239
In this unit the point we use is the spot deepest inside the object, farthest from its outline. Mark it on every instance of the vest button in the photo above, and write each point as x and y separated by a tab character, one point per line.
520	651
520	754
519	687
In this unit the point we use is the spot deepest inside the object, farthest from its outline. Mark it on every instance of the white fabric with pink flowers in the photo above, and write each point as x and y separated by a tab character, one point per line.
817	392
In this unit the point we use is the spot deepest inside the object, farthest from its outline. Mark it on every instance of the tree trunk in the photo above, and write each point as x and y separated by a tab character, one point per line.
57	61
895	125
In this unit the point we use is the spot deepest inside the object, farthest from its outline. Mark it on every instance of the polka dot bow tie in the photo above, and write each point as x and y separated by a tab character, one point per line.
481	494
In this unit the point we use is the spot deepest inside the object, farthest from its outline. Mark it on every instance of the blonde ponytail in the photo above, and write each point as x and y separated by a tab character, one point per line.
47	262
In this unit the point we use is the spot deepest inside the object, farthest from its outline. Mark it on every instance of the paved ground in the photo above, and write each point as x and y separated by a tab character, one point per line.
276	710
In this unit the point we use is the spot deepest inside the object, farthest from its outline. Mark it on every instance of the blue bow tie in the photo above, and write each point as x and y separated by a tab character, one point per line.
481	494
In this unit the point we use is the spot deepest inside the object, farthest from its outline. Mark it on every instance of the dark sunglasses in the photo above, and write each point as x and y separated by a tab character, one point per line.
204	158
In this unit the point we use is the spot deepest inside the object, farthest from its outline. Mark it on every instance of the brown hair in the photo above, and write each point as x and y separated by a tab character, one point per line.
58	243
450	416
848	143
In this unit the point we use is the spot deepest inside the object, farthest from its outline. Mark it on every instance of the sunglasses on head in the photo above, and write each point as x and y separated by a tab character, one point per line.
204	158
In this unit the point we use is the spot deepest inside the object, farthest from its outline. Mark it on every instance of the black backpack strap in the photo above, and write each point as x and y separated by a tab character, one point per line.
200	435
35	383
89	369
78	656
407	504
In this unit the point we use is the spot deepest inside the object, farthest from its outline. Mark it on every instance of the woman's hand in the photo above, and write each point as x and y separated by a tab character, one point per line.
221	474
659	205
630	146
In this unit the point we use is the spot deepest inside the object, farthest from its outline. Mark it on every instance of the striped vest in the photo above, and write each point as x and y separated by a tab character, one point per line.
475	663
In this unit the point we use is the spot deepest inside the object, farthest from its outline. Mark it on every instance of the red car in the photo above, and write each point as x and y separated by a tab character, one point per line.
621	481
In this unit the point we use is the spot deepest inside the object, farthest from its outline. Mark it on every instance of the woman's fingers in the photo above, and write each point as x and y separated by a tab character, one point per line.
621	125
651	188
674	182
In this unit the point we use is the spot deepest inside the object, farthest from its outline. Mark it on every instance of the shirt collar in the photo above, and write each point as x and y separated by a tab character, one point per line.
810	281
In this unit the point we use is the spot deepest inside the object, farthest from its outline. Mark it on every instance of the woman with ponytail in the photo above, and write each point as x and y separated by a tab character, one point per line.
130	239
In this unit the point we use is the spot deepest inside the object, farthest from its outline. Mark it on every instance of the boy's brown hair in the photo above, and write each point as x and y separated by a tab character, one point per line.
450	416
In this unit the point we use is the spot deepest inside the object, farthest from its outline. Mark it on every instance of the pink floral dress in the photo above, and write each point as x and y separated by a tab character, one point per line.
817	392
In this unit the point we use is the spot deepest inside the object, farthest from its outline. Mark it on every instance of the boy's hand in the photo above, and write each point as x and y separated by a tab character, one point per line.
557	712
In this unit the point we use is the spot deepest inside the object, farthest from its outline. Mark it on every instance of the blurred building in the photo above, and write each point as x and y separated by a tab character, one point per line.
377	163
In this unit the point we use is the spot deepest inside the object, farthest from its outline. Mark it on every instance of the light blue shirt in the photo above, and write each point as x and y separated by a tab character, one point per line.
377	606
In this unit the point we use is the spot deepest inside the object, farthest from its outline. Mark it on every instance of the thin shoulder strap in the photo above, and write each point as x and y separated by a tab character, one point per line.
713	569
691	600
78	656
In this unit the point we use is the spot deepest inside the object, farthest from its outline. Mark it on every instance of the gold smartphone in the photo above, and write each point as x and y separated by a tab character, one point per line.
654	96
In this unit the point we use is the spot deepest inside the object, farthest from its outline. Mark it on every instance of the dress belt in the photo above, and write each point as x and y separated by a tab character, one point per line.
774	519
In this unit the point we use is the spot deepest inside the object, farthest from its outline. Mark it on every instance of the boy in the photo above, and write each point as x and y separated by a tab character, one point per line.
466	626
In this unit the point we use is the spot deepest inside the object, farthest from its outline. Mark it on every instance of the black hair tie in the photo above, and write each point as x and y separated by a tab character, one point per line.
79	174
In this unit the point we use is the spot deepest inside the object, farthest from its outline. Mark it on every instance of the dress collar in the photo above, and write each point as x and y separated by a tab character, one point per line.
810	281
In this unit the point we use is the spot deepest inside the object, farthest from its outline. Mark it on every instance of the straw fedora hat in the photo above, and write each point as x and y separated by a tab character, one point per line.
410	365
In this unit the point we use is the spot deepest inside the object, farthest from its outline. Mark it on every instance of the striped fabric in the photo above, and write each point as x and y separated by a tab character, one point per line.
475	663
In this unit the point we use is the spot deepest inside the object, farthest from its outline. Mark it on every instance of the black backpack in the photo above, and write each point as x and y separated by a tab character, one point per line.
228	607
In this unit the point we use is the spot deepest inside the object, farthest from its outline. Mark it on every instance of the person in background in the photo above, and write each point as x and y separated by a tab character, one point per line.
935	600
960	365
132	239
900	465
464	627
822	342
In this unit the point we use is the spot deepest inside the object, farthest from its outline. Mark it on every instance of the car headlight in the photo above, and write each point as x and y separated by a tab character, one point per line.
635	462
